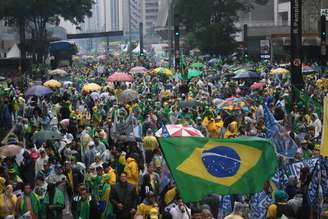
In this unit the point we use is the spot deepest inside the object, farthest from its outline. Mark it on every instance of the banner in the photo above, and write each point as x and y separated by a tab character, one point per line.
296	43
265	49
324	137
295	168
259	204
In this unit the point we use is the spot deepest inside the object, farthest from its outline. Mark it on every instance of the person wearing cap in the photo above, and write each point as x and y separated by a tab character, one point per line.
280	207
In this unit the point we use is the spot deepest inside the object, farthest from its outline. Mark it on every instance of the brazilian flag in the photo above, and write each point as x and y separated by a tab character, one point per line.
201	166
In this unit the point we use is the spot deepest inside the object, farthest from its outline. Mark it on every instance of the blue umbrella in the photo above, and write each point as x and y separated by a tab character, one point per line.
38	90
213	61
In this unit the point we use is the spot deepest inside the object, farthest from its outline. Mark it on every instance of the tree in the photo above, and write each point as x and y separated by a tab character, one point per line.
38	14
212	22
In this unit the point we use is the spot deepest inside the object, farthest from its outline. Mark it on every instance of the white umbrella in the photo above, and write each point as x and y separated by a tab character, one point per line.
58	71
104	96
95	95
67	83
101	57
180	131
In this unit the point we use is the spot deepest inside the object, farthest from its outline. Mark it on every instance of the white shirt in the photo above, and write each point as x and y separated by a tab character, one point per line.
177	214
39	164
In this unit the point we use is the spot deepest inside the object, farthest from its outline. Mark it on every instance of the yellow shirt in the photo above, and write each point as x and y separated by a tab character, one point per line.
144	209
150	142
70	178
132	171
112	176
272	211
213	129
170	195
7	205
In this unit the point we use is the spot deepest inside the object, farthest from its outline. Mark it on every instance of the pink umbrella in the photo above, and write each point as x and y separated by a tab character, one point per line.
138	69
180	131
64	123
10	150
119	76
257	86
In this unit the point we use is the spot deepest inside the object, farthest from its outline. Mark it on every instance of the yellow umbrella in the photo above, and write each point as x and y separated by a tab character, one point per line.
52	84
87	88
166	94
279	71
167	72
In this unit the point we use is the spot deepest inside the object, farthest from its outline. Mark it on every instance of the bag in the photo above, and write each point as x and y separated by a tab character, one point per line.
101	206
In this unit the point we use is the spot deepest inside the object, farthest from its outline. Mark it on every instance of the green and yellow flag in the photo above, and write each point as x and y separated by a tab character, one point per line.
201	166
324	137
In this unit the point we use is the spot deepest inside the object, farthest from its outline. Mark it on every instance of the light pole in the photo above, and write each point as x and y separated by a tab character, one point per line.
129	47
105	25
170	31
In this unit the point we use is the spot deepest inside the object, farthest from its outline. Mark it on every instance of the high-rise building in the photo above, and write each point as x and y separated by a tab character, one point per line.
271	23
133	18
95	23
149	12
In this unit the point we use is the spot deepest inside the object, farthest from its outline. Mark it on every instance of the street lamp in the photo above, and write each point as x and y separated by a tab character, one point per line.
170	33
129	11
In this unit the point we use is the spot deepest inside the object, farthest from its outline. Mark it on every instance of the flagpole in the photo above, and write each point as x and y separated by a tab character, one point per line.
318	192
167	135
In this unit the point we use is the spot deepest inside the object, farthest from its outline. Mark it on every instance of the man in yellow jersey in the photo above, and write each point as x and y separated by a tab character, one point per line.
150	144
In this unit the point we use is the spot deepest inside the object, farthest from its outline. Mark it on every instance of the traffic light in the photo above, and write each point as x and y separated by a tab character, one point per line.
323	35
177	47
323	27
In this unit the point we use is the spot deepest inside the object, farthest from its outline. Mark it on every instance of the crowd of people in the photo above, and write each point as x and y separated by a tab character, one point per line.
90	154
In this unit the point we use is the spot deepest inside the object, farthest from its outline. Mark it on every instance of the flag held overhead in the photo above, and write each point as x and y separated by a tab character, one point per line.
201	166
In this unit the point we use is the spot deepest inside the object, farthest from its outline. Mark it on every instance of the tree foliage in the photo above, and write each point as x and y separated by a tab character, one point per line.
212	22
34	16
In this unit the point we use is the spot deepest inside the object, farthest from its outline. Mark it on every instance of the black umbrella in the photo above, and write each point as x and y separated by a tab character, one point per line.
247	75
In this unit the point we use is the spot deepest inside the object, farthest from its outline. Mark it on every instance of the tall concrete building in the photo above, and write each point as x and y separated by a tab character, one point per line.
112	15
162	21
270	23
133	19
96	22
149	12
